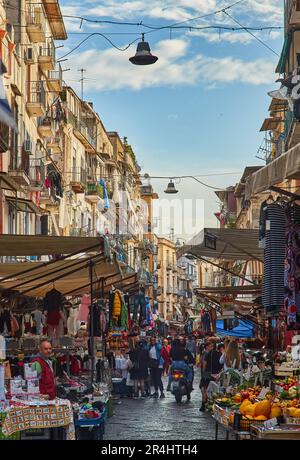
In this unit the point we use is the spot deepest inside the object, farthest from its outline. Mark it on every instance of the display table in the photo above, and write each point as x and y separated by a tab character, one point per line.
33	415
281	433
239	435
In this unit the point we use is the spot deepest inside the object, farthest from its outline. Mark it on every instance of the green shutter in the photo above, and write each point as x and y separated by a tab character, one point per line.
284	54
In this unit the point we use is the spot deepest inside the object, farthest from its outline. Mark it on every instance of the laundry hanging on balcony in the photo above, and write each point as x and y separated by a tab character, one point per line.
6	115
105	195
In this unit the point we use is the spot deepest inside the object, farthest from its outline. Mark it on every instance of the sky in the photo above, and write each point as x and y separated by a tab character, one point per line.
199	109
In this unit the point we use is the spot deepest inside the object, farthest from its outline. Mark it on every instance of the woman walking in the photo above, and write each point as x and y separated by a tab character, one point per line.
166	354
139	371
156	363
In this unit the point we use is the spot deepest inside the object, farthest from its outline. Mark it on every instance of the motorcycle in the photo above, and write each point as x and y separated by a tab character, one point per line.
180	385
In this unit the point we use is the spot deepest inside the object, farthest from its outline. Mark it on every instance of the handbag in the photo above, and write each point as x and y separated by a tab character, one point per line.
153	363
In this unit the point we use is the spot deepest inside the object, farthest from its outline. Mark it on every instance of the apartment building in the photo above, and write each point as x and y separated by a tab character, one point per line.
32	84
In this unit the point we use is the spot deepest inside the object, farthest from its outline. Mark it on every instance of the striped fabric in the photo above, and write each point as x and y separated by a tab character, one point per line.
273	291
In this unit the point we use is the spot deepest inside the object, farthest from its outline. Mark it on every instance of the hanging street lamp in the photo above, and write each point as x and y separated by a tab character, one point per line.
143	54
171	188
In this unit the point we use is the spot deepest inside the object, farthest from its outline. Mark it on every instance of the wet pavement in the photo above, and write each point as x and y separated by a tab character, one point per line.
164	419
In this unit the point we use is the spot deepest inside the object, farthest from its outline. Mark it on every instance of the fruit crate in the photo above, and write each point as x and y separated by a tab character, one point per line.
285	371
292	420
241	424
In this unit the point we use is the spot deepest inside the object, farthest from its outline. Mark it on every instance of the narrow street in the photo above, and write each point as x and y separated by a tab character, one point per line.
154	419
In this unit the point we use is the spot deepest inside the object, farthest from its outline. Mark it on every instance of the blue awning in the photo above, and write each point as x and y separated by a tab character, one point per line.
245	329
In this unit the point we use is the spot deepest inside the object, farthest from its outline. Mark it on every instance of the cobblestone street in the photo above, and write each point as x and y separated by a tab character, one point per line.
154	419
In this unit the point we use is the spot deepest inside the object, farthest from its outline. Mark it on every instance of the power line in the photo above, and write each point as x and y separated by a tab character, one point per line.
254	36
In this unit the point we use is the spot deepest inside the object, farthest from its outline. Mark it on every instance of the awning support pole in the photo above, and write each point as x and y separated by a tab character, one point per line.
226	270
92	342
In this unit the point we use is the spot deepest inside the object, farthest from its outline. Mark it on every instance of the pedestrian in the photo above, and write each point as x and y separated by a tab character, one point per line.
139	370
231	358
206	371
191	345
156	363
166	354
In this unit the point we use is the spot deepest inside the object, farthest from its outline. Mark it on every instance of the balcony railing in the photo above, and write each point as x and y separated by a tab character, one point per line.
79	232
83	129
4	137
21	163
36	93
78	175
93	188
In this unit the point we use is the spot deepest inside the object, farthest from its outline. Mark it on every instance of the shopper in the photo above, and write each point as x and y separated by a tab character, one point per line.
191	345
231	359
210	368
43	367
156	363
139	370
166	354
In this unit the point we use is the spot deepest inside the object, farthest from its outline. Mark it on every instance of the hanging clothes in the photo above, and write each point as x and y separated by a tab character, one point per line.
292	266
83	313
274	258
53	300
96	311
73	324
38	317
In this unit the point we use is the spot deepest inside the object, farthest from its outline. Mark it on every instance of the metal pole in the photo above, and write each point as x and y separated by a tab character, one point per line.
91	266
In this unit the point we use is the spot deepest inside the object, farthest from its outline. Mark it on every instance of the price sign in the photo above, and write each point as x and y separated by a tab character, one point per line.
270	423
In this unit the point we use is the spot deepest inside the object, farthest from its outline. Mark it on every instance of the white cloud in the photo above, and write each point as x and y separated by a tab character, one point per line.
112	71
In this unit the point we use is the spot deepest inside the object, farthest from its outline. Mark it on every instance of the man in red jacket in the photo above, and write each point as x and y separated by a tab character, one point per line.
43	366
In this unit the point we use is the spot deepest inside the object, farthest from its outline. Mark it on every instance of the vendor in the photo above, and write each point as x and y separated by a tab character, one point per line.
43	366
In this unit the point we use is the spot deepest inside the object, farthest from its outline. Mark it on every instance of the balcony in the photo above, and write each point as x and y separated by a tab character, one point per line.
55	144
169	290
93	192
4	137
45	127
46	59
36	99
19	169
292	12
79	232
169	266
34	25
54	81
78	180
83	133
291	130
190	277
46	198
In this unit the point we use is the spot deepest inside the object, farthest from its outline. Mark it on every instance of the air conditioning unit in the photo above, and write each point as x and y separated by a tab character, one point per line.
29	57
28	145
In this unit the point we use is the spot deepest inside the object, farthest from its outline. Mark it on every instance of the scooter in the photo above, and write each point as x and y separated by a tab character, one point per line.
180	385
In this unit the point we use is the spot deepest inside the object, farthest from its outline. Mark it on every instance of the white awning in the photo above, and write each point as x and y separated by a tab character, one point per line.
285	167
225	244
